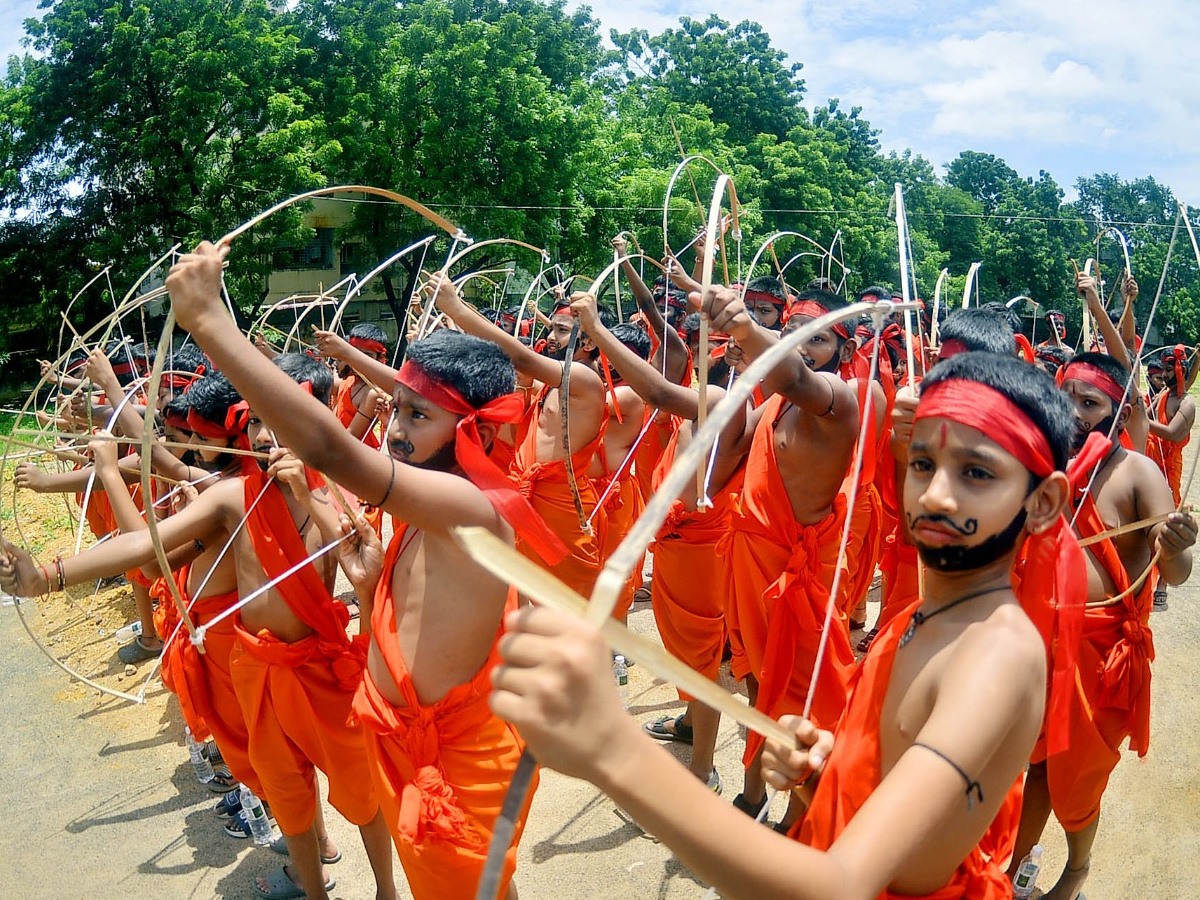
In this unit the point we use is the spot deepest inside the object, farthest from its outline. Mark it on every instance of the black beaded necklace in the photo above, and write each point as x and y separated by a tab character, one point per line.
920	618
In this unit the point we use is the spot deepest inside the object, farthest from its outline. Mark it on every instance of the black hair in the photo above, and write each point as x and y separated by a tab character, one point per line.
827	299
979	330
302	367
1053	312
820	284
691	324
211	397
875	290
476	368
368	331
767	284
177	406
188	358
1010	316
1032	390
636	339
1049	352
143	352
1105	364
1114	316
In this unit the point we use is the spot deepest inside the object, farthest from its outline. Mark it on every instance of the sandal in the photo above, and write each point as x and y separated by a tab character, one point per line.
856	625
641	595
135	652
751	809
865	644
1160	600
280	886
223	780
228	806
714	783
658	729
279	845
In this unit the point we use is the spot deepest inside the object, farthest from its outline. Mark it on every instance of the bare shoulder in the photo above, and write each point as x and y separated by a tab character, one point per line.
1006	645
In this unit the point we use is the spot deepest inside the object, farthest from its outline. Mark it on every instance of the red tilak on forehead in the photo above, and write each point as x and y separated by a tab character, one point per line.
945	430
992	414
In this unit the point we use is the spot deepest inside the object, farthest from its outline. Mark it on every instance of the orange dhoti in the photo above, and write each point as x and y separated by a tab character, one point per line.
297	697
622	508
202	681
780	575
440	770
1112	690
854	770
296	710
864	548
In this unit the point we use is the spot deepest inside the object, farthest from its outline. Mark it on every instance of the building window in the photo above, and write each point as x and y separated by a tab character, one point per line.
316	254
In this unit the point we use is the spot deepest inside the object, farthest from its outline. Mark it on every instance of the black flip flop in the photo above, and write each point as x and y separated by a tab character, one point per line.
658	730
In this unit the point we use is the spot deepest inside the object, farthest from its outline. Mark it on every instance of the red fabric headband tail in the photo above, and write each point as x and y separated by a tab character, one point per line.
1024	348
479	468
1179	352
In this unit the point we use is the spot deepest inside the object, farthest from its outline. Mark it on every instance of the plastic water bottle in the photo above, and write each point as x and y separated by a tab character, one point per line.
621	677
256	817
128	633
204	769
1027	874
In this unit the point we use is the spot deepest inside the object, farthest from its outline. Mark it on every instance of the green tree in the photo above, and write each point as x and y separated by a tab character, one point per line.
732	70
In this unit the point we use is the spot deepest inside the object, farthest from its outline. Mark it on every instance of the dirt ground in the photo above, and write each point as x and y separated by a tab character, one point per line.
102	802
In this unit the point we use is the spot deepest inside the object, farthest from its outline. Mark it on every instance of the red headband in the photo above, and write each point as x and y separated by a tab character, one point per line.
810	308
237	417
176	421
1095	376
952	347
1178	353
366	345
992	414
471	456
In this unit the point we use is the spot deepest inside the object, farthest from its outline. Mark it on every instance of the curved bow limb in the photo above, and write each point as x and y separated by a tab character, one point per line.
506	564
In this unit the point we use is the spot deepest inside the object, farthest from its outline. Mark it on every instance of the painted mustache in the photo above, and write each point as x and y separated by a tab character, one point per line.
401	447
966	529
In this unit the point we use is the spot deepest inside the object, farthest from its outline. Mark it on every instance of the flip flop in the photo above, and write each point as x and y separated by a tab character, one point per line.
279	845
658	729
865	644
281	887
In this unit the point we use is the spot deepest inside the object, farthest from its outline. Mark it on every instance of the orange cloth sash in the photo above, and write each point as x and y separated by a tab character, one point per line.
544	485
689	575
440	770
854	770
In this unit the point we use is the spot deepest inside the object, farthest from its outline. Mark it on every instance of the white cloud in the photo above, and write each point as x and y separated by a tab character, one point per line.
1074	87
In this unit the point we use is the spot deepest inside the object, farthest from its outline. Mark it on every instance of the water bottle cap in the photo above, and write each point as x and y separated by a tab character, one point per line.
619	658
1036	851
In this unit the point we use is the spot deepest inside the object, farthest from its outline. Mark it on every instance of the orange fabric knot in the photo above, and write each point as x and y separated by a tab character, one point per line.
347	662
429	811
1125	661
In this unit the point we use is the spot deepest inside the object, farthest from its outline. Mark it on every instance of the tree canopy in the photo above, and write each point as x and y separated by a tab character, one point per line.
132	125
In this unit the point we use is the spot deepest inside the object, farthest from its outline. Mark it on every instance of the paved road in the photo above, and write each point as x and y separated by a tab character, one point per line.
101	802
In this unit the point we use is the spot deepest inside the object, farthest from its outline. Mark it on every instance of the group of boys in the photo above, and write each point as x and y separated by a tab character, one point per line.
1002	648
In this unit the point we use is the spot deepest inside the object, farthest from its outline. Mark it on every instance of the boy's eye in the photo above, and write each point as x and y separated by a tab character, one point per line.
978	473
920	464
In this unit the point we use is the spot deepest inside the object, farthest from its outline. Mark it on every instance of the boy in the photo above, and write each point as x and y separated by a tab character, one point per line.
438	759
1112	701
945	710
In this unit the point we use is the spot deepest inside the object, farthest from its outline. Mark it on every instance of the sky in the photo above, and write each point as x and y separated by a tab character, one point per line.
1072	87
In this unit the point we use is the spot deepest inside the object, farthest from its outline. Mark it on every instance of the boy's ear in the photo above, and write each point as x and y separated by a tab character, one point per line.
1123	417
487	432
848	349
1047	502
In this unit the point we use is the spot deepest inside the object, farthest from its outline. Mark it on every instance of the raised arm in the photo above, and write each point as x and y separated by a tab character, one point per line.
423	499
527	361
1086	285
378	373
1180	426
646	381
1128	324
816	393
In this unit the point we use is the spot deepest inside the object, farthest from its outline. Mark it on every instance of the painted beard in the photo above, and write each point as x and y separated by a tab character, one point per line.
442	460
966	559
219	464
1104	426
559	353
